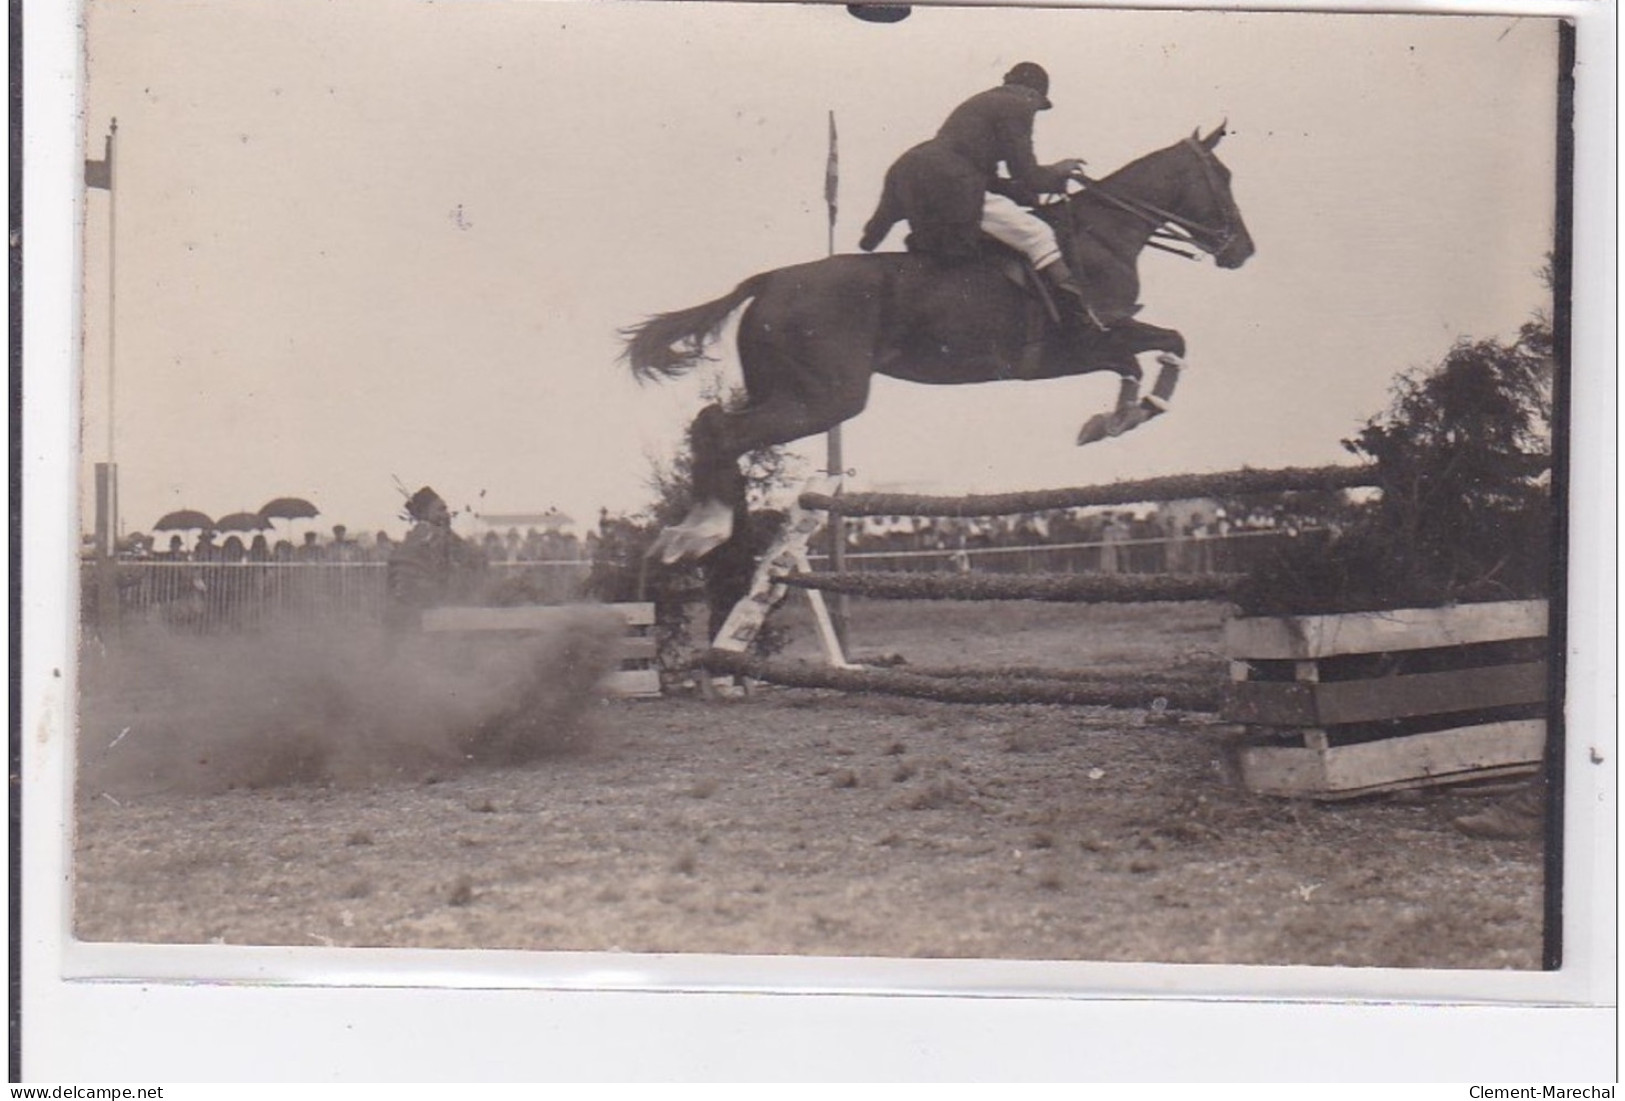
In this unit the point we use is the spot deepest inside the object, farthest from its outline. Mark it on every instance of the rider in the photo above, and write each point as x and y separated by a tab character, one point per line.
431	565
949	188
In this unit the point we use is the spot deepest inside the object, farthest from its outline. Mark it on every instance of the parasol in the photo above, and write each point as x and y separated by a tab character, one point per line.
288	508
186	519
242	521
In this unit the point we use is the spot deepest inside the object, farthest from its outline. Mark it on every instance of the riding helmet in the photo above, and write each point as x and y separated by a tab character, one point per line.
421	503
1029	74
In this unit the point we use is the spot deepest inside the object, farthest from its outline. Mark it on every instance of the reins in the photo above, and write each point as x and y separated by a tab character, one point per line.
1170	248
1184	231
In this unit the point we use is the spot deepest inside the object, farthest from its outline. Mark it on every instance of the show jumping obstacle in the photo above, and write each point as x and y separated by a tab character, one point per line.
785	566
1339	706
1332	706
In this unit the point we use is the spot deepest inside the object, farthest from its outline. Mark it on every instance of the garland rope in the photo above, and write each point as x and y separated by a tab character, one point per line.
1155	693
1059	587
1175	487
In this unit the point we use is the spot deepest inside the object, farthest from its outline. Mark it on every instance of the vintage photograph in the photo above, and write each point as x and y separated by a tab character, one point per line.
766	480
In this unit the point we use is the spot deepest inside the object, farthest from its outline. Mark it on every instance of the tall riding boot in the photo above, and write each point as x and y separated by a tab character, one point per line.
1061	279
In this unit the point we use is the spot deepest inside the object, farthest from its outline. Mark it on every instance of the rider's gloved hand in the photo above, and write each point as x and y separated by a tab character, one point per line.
1075	168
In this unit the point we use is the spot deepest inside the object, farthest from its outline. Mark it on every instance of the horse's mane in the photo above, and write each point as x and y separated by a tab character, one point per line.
1140	162
1059	213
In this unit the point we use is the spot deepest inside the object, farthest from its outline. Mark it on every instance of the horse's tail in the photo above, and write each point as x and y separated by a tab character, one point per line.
669	344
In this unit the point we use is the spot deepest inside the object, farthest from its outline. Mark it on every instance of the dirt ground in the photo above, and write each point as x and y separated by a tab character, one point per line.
797	822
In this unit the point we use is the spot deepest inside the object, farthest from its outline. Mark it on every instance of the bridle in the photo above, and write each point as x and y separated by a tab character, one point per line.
1171	227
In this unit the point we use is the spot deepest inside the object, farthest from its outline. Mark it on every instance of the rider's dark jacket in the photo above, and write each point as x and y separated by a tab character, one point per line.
938	185
431	566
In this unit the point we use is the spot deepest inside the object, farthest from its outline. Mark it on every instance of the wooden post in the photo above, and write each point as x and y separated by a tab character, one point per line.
837	544
835	462
107	599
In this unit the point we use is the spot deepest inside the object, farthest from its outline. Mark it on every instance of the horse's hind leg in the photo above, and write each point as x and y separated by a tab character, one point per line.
718	492
792	397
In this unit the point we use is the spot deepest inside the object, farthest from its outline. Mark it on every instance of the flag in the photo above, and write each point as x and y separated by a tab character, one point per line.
99	174
832	172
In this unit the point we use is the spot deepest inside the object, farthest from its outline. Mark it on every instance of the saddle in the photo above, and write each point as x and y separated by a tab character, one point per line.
1042	311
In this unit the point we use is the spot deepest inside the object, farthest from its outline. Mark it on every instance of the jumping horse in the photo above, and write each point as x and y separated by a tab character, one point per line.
814	334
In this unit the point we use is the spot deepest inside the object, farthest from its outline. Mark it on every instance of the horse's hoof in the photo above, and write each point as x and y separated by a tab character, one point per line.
1094	429
707	526
665	548
676	545
1105	426
1126	420
1168	359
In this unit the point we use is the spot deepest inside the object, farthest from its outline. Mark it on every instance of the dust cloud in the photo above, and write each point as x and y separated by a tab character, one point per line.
167	711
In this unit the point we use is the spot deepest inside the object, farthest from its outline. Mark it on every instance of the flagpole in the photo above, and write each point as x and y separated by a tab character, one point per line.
112	281
834	461
99	175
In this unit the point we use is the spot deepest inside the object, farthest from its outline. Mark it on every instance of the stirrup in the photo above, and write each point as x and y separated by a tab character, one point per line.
1078	306
1106	320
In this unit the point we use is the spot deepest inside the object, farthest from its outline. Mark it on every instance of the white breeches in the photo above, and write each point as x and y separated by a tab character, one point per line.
1005	220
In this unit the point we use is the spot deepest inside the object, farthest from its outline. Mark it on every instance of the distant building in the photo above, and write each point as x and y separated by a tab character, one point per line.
551	522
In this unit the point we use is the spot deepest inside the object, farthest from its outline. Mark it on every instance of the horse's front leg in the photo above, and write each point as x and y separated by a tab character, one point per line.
1132	410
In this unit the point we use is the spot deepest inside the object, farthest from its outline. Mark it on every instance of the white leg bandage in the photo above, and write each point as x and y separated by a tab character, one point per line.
1004	220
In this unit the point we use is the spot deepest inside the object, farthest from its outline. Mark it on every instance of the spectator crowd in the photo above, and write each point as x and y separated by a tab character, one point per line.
1194	539
339	546
549	564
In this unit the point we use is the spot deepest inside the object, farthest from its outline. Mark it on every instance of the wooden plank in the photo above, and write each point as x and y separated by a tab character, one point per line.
1282	703
634	682
1437	753
641	614
1438	757
1304	637
1477	776
634	648
1282	770
525	617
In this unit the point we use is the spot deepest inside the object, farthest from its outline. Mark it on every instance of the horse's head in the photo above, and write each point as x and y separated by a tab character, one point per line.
1215	223
1181	192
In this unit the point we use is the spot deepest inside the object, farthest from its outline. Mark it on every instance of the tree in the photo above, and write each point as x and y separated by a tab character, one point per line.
1462	458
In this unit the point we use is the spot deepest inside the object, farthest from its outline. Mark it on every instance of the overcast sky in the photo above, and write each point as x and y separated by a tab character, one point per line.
361	242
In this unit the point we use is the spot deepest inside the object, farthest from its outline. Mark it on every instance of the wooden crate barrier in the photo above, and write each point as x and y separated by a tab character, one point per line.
1323	713
639	672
